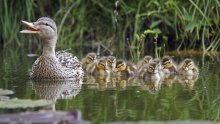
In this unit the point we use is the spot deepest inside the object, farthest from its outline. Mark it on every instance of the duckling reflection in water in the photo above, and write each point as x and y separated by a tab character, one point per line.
99	68
125	69
144	61
187	81
150	71
103	82
88	60
187	67
168	79
151	85
120	82
168	65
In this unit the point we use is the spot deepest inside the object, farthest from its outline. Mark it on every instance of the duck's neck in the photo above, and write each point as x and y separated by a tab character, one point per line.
49	47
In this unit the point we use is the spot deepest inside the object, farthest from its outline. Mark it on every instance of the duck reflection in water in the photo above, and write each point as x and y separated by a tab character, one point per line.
50	90
57	89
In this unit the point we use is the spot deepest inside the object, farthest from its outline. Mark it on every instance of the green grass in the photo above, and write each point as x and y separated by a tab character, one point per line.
179	25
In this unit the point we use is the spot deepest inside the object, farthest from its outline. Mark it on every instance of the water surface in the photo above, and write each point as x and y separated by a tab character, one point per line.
104	100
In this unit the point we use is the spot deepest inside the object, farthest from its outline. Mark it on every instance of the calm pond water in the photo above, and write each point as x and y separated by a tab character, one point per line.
109	100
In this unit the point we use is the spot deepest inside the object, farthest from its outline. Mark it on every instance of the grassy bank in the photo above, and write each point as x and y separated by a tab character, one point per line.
138	26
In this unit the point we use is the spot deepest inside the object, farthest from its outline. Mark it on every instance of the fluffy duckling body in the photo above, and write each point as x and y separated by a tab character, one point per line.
111	62
150	71
168	65
99	68
124	68
88	60
144	61
187	67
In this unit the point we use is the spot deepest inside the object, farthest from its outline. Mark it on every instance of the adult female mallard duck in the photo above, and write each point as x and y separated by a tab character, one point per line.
51	65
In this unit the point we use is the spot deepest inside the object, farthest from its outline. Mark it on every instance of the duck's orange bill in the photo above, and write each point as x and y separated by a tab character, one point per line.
30	28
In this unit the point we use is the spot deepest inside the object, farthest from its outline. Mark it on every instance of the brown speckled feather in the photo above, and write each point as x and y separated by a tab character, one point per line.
64	66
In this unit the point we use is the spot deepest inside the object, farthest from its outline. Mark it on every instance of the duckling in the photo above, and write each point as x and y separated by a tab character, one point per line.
160	69
150	71
147	59
99	68
88	60
111	62
158	61
187	67
124	68
168	65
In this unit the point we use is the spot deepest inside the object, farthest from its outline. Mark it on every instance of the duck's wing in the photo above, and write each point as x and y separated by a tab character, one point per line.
71	62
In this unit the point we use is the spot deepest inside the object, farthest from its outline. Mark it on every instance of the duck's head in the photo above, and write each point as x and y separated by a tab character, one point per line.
102	64
90	57
120	65
188	64
44	27
152	68
111	61
147	59
158	61
167	62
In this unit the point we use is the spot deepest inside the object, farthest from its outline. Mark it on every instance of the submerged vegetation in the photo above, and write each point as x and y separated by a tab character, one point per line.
139	26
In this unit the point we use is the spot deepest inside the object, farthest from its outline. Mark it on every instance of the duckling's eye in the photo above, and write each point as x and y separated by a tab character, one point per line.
46	24
151	68
109	61
90	58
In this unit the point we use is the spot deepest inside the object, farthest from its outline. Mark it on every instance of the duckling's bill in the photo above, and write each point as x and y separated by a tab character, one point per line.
31	29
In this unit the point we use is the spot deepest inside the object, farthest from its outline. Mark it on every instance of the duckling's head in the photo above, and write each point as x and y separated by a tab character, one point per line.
111	61
44	27
167	62
148	59
188	64
102	64
120	65
158	61
152	68
90	57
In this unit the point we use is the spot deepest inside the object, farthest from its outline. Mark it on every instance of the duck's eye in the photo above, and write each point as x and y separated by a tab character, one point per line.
46	24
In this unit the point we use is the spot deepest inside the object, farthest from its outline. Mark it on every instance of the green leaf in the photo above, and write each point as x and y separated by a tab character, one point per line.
187	17
191	26
149	31
137	37
155	23
5	92
157	30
